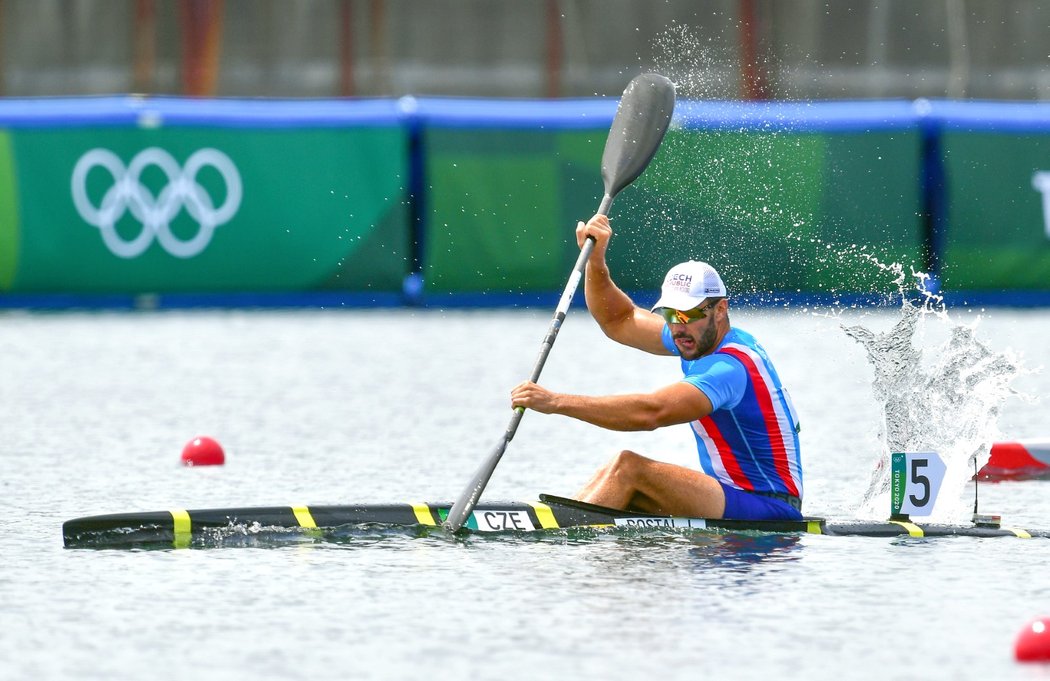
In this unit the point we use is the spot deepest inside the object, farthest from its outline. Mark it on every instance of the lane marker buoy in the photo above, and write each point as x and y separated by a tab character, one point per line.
203	451
1033	643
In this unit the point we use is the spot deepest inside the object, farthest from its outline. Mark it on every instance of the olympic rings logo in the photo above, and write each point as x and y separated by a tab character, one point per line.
155	213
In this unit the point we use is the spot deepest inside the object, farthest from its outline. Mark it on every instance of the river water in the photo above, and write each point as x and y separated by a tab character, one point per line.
327	407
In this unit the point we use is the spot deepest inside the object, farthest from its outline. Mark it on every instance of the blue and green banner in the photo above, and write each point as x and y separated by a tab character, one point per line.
801	198
126	195
182	205
504	191
996	161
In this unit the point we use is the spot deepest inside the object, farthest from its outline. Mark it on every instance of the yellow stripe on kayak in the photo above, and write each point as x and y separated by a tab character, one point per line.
423	514
182	527
813	527
303	516
545	515
913	529
1023	534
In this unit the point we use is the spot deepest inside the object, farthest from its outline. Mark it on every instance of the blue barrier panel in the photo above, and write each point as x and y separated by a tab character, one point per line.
130	110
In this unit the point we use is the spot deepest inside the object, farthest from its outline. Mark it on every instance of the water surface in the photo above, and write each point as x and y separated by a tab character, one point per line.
319	407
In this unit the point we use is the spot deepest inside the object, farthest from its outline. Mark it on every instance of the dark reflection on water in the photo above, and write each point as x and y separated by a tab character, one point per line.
733	552
742	552
730	550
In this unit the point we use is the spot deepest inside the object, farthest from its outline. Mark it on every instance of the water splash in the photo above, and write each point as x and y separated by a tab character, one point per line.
759	192
700	68
756	188
935	396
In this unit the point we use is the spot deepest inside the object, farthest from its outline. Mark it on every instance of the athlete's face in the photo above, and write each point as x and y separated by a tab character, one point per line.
695	338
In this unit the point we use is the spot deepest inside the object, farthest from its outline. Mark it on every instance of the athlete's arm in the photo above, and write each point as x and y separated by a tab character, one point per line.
617	315
677	403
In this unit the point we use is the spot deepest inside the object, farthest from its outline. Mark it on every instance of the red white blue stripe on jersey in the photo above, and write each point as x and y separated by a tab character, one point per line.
753	446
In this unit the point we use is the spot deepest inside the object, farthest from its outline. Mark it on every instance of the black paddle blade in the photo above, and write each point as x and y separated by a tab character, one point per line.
641	121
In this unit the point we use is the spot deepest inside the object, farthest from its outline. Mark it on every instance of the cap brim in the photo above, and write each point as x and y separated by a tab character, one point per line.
678	301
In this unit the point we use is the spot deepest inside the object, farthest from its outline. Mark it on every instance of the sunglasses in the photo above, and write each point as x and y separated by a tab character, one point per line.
673	316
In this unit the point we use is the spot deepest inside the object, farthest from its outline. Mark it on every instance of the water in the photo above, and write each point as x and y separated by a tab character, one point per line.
943	397
323	407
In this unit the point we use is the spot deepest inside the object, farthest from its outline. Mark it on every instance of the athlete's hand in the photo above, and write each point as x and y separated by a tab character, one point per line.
599	228
532	396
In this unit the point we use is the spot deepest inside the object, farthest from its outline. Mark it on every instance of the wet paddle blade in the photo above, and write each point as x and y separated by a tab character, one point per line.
641	122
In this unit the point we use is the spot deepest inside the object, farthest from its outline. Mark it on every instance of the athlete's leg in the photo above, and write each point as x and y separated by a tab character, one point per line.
632	481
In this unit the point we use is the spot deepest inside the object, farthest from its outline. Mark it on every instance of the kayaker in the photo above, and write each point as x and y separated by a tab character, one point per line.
745	426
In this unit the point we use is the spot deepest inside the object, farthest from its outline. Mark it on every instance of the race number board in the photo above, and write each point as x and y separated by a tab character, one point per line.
915	482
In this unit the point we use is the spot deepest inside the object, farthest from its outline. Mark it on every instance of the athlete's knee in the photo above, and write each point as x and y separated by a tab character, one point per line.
628	463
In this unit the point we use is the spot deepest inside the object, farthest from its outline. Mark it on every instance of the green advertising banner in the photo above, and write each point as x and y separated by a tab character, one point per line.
8	214
788	211
998	194
775	210
195	208
503	206
131	195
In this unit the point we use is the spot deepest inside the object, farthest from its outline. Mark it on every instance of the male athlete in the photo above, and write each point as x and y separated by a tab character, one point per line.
745	426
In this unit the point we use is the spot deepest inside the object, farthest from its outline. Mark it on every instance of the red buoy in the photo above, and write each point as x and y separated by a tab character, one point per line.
1033	643
203	451
1021	460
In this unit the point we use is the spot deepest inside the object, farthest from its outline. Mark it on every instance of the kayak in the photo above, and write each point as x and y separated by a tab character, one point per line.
181	528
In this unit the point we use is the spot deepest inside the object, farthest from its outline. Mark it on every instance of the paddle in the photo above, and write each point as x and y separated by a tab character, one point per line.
637	130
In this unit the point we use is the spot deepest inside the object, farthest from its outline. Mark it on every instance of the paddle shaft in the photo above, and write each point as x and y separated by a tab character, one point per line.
559	313
641	120
464	506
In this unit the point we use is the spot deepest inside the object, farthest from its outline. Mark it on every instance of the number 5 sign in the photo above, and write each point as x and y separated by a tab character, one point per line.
915	481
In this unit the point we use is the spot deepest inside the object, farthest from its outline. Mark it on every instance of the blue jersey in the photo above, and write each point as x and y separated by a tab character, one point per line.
750	439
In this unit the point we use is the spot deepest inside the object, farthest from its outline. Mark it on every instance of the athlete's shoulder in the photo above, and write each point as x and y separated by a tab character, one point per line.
739	339
739	336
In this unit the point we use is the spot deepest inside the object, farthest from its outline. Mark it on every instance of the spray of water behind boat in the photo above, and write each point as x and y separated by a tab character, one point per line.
936	394
939	387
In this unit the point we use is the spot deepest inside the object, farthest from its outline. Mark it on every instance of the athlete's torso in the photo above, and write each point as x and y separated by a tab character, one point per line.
750	439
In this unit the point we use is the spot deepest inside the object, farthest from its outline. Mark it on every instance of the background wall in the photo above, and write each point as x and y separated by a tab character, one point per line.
473	197
381	147
720	49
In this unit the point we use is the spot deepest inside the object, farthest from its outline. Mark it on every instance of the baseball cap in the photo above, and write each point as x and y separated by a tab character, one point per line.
689	284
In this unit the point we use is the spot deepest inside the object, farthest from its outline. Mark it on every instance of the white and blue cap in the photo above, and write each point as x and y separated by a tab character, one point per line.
689	284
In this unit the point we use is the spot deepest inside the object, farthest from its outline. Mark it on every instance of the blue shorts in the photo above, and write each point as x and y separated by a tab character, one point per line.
741	505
